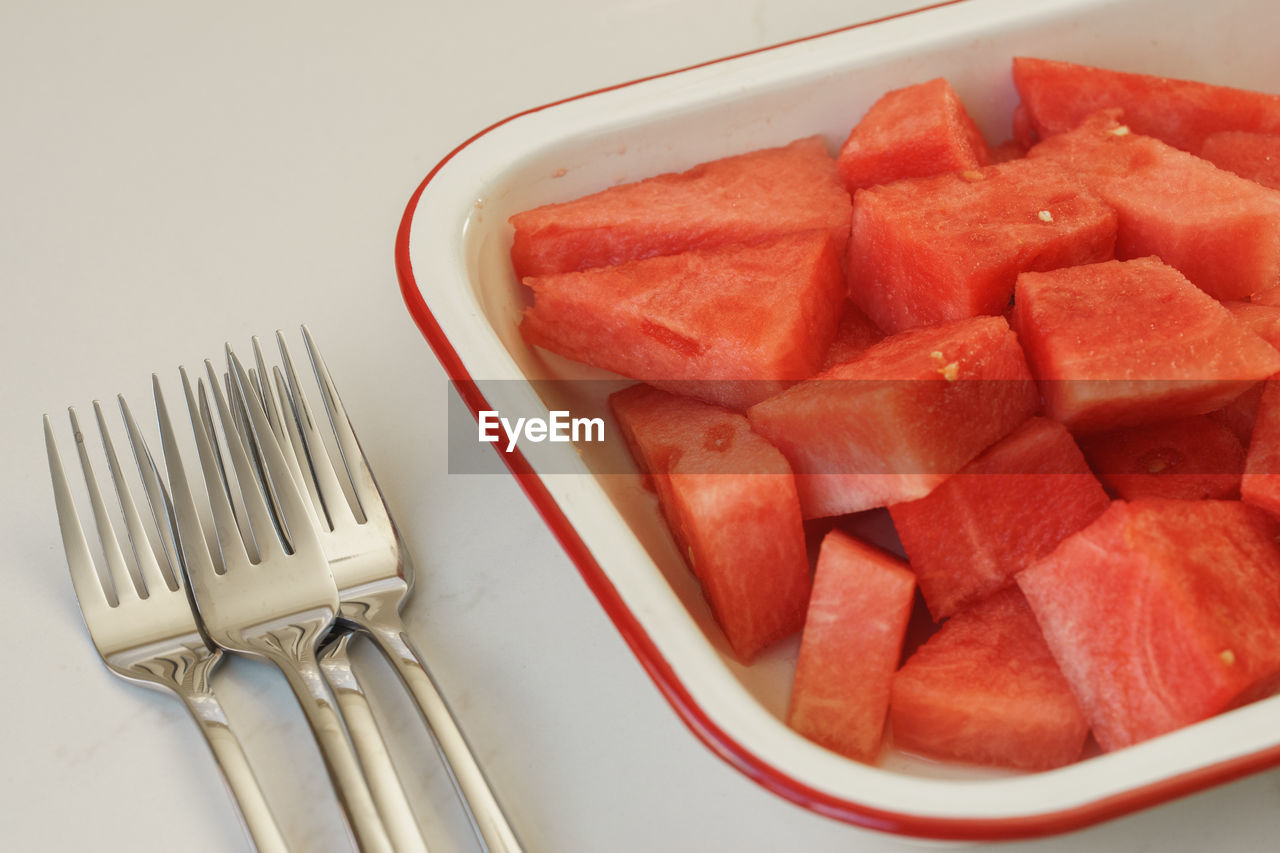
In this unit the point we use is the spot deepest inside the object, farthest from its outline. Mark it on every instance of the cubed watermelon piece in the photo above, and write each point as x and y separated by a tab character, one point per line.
951	246
1220	230
1190	459
745	198
893	424
730	500
853	633
855	335
1162	613
1126	343
985	689
730	325
1255	156
1261	483
1057	96
911	133
1004	510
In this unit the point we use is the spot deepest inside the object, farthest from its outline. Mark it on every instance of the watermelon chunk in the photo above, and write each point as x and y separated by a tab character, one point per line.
1255	156
1004	510
985	689
731	325
849	650
1261	483
730	500
1126	343
855	335
1240	414
1057	96
1220	230
739	199
1162	613
891	425
948	247
911	133
1189	459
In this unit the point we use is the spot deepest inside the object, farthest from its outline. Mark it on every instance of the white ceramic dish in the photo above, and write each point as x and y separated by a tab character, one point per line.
452	259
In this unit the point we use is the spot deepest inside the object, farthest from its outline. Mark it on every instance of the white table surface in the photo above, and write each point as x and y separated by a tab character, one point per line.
175	175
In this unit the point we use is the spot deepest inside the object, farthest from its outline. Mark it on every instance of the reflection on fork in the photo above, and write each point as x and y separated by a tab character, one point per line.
368	559
142	625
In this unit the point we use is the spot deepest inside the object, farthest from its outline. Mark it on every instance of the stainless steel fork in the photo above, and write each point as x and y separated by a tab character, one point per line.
370	564
277	603
143	627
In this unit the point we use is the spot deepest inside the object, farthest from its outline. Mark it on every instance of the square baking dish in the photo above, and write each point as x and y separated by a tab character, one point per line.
454	270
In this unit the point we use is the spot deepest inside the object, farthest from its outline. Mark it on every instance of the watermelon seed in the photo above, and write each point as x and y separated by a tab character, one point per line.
1045	216
971	175
1228	656
1122	130
951	372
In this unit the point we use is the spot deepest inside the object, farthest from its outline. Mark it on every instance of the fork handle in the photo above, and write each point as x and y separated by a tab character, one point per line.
487	817
301	668
384	783
264	832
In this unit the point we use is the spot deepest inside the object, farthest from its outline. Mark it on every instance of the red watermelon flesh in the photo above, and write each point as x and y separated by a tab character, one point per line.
985	689
730	500
951	246
1255	156
1162	613
745	198
730	325
911	133
893	424
1239	415
1189	459
853	634
1261	483
855	335
1004	510
1262	320
1057	96
1222	231
1010	149
1126	343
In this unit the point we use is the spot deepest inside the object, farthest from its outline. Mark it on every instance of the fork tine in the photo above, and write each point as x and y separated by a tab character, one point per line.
227	532
297	451
156	498
197	561
357	464
84	577
144	554
261	526
337	507
117	567
299	523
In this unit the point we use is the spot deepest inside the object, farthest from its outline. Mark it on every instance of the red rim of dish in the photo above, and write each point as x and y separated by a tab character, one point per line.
706	730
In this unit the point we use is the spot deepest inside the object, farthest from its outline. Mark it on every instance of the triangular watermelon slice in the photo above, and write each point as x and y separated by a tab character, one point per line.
730	325
948	247
985	689
852	639
894	423
745	198
1124	343
731	502
1218	228
1002	511
911	133
1057	96
1162	613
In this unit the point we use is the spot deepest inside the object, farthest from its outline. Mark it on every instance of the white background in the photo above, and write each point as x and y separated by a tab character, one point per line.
175	175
